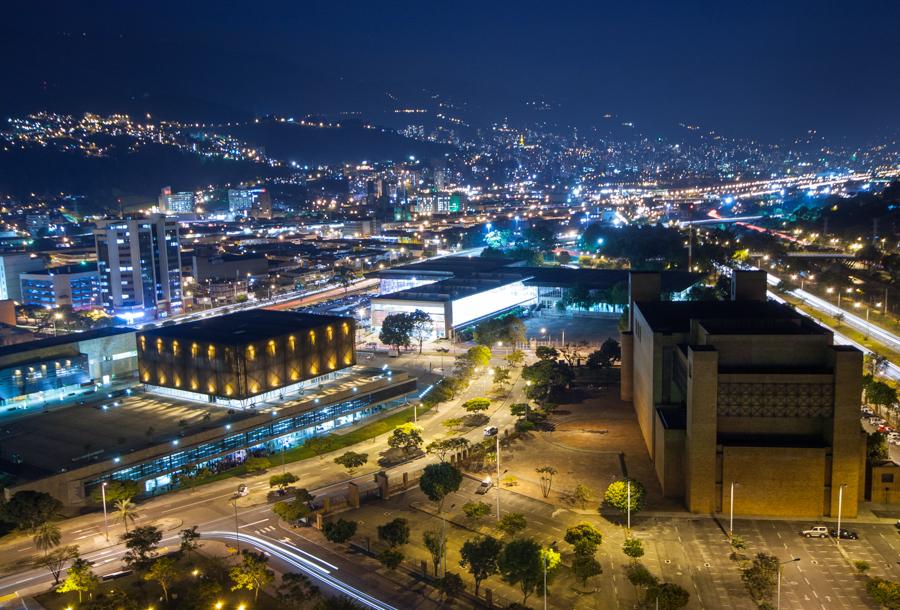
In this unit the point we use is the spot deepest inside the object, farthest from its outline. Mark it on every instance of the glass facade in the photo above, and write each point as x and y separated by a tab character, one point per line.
281	432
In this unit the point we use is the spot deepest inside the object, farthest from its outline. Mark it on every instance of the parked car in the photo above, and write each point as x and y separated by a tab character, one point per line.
491	431
845	534
243	490
485	486
816	531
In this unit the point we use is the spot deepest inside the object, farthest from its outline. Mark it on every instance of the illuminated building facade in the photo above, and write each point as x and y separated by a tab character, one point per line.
246	357
745	392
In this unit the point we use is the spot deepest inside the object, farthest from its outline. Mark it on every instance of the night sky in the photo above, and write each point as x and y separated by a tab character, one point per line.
766	69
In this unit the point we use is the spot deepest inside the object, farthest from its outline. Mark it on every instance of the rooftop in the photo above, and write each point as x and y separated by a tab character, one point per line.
454	288
66	269
727	317
64	339
244	326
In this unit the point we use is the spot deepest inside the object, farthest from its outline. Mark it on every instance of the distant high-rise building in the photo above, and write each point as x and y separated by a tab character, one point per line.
255	202
139	263
12	266
176	203
75	286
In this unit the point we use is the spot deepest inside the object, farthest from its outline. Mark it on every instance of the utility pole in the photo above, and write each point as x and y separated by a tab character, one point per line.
105	519
498	475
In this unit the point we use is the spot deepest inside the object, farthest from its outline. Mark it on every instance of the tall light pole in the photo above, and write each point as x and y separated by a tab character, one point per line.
498	475
840	506
105	518
628	503
237	533
778	594
731	509
546	553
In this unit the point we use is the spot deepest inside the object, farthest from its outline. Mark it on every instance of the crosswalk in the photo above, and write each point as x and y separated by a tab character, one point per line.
265	530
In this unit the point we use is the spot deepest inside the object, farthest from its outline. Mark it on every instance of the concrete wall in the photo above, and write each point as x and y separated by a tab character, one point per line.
700	438
775	481
845	432
669	463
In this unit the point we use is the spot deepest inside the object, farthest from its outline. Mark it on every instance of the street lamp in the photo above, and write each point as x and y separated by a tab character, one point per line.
498	475
840	507
731	511
778	594
105	518
552	546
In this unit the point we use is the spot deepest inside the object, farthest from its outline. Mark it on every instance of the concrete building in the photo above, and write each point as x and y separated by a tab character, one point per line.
49	369
252	202
176	203
227	266
75	286
745	392
139	263
12	266
247	357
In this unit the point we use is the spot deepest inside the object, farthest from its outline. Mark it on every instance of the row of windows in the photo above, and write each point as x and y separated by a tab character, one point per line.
251	438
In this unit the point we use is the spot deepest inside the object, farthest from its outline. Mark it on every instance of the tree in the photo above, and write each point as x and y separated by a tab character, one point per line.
761	575
396	331
582	494
618	492
670	596
283	481
394	533
338	603
476	510
391	558
116	490
439	480
450	585
142	545
512	523
292	511
189	538
545	352
27	510
339	531
884	592
54	561
583	531
585	564
476	405
319	445
126	511
352	461
633	548
880	394
296	590
545	377
422	327
435	543
480	355
257	464
47	536
253	574
641	579
877	449
479	556
521	564
442	447
501	376
520	409
163	571
516	358
546	473
407	437
80	577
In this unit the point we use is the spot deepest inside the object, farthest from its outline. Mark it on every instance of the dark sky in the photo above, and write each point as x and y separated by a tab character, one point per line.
768	69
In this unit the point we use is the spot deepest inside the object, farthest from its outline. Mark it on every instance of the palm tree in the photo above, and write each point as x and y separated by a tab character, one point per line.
47	536
127	511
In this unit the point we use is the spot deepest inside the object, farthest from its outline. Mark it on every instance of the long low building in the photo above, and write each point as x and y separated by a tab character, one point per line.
460	291
35	372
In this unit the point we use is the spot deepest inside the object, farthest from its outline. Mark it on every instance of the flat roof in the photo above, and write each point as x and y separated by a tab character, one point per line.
64	339
66	269
597	279
727	317
244	326
453	288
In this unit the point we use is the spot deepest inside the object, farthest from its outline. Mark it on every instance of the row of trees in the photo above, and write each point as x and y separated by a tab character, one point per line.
508	330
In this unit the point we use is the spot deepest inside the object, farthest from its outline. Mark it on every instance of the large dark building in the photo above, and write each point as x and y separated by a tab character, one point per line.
245	357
